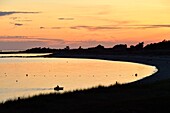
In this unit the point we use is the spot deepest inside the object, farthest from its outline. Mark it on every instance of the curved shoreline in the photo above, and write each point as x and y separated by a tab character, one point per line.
162	63
142	96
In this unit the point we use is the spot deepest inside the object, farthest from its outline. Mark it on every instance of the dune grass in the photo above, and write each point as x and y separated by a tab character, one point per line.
127	98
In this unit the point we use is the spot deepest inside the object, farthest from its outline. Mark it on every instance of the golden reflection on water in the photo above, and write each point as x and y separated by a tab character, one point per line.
23	54
30	76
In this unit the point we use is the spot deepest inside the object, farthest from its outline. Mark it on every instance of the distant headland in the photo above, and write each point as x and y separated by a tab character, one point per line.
160	48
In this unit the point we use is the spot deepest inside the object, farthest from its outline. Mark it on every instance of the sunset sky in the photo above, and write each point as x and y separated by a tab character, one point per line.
58	23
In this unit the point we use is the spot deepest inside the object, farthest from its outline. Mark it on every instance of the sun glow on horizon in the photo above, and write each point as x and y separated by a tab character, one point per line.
51	23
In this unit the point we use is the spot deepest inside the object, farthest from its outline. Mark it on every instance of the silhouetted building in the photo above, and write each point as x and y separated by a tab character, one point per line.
120	47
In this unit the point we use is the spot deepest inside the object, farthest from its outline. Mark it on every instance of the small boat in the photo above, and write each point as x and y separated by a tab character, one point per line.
58	88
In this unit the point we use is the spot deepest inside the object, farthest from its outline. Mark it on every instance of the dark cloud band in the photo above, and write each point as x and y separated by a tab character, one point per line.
18	24
93	28
6	13
65	18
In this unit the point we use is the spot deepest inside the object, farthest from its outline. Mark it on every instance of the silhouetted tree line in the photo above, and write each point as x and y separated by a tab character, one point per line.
99	49
139	46
40	50
164	45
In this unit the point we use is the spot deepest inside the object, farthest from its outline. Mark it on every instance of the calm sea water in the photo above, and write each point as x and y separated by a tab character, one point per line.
22	77
23	54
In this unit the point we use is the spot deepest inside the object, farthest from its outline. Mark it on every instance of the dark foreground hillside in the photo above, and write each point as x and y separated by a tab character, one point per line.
129	98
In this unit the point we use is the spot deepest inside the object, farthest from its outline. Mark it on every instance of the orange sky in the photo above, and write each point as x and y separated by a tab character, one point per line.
54	23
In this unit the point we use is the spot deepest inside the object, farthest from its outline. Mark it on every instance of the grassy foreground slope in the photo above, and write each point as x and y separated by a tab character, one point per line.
128	98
